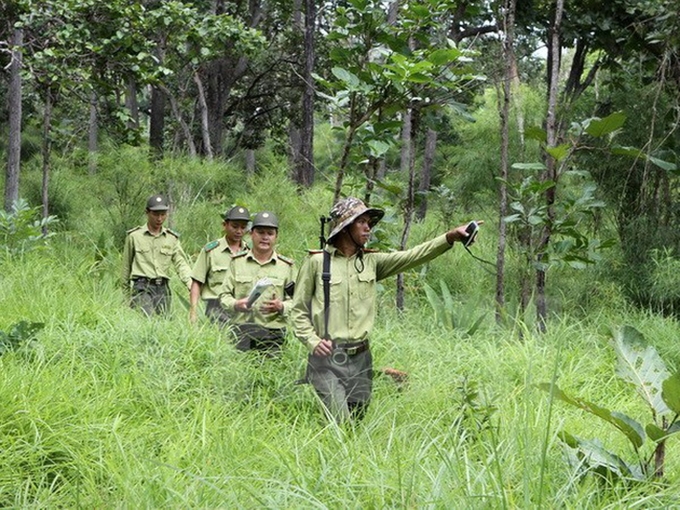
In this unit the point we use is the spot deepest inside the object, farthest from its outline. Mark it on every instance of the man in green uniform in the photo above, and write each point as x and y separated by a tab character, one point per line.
335	322
212	265
150	250
259	323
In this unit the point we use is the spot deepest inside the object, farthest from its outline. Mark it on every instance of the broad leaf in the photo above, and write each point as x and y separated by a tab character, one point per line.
641	365
528	166
601	127
664	165
560	152
536	133
670	392
600	460
631	428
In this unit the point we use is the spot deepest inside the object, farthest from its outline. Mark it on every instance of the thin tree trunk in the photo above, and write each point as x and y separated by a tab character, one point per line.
93	135
508	51
14	99
409	206
178	116
132	104
205	126
305	163
157	122
250	161
426	172
46	152
551	166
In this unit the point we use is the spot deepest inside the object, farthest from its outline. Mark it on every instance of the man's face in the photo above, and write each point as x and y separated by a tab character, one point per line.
360	229
235	230
264	239
155	219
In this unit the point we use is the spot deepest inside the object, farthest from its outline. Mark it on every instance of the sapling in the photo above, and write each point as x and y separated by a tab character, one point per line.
639	364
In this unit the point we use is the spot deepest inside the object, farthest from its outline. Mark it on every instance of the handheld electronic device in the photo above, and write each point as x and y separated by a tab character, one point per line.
471	230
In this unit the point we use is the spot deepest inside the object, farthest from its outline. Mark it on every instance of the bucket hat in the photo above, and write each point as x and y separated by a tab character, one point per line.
347	210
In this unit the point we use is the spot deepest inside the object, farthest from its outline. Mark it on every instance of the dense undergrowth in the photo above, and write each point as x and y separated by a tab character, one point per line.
109	409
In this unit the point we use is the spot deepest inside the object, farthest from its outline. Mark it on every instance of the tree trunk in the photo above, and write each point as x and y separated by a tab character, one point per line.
14	106
46	152
551	166
250	161
205	127
305	163
132	104
409	205
92	135
509	56
157	122
426	172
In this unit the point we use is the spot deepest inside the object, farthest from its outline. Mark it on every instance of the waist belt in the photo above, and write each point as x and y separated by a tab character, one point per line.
151	281
352	349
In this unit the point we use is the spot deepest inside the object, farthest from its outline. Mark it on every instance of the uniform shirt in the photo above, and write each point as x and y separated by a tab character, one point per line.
244	272
152	256
212	266
352	293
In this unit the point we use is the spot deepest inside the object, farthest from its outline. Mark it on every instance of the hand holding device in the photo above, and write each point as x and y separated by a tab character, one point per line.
471	230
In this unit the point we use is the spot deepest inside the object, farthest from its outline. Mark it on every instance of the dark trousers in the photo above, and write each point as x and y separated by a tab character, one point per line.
152	296
215	312
343	383
255	337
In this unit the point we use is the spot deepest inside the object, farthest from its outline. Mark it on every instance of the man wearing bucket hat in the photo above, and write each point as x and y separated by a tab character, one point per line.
257	290
334	305
149	253
212	265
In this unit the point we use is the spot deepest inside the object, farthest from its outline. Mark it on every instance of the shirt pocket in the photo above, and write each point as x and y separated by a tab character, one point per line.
243	284
218	274
166	251
366	285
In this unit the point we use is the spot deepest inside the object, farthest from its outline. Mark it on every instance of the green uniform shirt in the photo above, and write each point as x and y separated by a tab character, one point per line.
151	256
352	293
212	266
243	274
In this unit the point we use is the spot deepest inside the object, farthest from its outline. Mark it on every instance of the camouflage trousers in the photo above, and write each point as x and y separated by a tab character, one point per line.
152	296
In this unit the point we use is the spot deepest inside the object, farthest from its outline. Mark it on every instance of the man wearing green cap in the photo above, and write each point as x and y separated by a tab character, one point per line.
212	265
150	250
334	305
257	290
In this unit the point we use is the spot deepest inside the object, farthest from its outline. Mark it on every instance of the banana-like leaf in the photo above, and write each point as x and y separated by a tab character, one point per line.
641	365
670	392
631	428
592	455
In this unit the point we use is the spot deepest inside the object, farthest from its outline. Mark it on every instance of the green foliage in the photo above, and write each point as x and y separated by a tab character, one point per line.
19	336
20	231
640	365
452	315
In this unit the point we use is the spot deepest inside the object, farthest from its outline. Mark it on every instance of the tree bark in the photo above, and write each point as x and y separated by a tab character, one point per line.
305	163
132	104
551	165
426	172
46	153
157	122
92	135
205	126
14	99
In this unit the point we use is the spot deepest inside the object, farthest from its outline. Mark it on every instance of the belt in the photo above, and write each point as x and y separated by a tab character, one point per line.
353	348
152	281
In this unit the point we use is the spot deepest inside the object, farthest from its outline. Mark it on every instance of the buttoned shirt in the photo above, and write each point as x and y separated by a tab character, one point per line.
352	290
244	272
212	266
152	256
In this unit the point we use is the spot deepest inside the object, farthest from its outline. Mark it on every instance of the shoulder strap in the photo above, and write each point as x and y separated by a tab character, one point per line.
326	278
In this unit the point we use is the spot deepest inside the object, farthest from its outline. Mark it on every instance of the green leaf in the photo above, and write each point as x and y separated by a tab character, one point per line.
536	133
601	127
641	365
664	165
528	166
633	152
631	428
559	152
670	392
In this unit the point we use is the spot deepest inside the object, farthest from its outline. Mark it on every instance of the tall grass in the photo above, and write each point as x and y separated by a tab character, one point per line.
114	410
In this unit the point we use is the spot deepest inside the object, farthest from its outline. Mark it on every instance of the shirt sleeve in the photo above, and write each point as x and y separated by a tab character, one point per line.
227	298
128	254
181	262
301	310
200	270
389	264
288	301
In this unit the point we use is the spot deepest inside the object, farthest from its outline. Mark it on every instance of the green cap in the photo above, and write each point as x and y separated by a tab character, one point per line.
237	213
265	219
157	203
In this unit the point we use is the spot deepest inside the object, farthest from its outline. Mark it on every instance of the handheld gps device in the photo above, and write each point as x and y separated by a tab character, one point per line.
471	230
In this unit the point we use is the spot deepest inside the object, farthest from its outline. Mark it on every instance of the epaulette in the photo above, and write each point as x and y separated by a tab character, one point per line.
133	229
312	252
369	250
211	245
288	261
176	234
239	254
